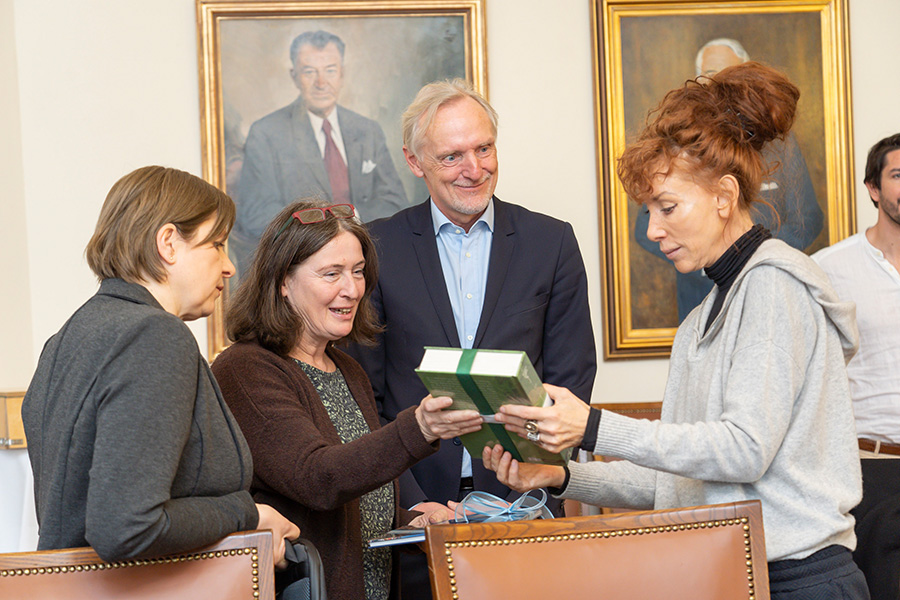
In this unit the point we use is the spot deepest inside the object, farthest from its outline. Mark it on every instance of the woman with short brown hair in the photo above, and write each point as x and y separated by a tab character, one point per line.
133	449
124	246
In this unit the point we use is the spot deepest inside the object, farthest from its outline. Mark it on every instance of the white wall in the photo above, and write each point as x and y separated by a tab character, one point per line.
874	44
16	354
105	87
95	88
16	349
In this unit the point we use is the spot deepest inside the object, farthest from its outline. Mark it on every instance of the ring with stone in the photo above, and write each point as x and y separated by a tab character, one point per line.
534	436
531	426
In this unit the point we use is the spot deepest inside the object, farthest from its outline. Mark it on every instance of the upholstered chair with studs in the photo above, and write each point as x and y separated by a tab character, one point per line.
238	567
713	551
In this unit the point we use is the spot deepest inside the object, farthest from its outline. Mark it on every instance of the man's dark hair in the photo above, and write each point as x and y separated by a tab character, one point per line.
875	162
317	39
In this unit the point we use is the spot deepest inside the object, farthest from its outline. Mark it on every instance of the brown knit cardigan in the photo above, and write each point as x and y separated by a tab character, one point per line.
300	466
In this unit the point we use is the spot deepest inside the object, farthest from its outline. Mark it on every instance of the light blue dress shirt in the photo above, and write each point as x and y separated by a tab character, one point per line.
464	261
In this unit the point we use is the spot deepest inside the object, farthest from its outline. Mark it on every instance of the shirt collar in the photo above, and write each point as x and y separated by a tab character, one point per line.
876	254
316	121
439	219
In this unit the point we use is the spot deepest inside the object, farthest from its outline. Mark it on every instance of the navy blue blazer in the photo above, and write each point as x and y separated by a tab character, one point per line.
535	300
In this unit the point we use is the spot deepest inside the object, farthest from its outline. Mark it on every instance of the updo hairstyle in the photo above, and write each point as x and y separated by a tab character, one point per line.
712	127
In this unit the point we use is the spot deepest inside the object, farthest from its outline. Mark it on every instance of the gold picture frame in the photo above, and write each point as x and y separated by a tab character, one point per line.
644	48
393	48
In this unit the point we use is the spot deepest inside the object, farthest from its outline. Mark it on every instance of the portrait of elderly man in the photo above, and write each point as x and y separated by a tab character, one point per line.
313	147
789	207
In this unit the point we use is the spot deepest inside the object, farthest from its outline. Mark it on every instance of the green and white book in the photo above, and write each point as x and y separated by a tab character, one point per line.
485	380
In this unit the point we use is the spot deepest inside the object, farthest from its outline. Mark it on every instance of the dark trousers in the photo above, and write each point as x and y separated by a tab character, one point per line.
878	527
415	582
829	574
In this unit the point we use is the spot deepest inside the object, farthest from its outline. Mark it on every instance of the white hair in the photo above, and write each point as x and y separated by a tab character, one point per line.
735	46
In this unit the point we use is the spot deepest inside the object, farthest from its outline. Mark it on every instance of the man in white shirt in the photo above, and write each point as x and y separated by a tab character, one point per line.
864	268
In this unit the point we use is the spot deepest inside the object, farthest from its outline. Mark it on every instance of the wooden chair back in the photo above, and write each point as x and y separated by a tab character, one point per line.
238	567
684	554
638	410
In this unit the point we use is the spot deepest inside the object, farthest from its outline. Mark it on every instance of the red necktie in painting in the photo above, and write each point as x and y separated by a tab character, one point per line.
336	169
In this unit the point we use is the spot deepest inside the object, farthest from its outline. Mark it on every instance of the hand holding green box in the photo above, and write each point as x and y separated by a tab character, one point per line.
484	380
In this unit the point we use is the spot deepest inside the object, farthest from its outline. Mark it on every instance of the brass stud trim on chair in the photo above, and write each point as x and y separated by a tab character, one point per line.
744	522
254	558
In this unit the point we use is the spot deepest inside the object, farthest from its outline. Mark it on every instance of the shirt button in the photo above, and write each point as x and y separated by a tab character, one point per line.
469	296
468	255
459	231
469	337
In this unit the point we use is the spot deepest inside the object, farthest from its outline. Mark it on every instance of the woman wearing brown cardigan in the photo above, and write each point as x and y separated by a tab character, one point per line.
307	410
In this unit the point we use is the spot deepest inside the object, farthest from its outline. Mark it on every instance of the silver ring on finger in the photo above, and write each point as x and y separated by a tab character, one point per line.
531	427
534	436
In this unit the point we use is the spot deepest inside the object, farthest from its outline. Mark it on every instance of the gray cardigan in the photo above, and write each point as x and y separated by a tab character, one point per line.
132	446
758	407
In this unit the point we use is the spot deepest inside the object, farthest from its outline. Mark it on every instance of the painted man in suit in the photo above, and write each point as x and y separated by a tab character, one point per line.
314	148
465	269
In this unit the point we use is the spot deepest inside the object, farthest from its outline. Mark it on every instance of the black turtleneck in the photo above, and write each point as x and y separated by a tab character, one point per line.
725	270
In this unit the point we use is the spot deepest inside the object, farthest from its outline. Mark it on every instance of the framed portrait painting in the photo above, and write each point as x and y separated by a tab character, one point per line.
281	81
643	49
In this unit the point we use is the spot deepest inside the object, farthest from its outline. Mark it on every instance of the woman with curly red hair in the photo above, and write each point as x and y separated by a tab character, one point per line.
757	404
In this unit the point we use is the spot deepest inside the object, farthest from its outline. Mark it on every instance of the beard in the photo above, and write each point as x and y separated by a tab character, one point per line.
473	206
890	209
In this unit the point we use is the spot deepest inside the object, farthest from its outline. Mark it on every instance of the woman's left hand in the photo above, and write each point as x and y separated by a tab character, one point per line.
521	477
559	426
435	422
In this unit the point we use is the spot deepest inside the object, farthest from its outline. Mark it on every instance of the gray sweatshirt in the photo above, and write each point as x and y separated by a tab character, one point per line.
758	407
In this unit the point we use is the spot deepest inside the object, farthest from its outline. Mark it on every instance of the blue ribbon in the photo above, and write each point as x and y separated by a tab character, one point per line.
482	507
